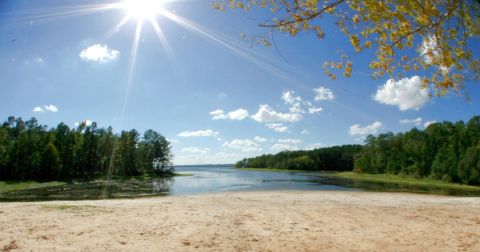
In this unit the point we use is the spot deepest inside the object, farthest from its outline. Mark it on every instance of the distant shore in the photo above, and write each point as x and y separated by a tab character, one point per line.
259	221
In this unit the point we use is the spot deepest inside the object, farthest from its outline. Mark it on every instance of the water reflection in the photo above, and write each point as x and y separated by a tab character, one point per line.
134	187
209	179
162	185
396	187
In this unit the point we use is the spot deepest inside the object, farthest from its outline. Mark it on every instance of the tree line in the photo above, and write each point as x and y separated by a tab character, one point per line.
337	158
30	151
447	151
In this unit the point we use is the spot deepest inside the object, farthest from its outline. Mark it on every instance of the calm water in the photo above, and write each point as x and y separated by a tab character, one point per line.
208	179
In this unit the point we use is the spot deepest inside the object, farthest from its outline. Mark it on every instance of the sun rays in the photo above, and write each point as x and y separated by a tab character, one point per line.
156	14
142	9
145	12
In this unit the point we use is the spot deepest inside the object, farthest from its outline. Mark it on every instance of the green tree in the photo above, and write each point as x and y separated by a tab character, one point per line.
50	163
106	145
65	143
127	153
473	131
90	150
469	166
30	151
24	155
148	149
336	158
447	151
3	151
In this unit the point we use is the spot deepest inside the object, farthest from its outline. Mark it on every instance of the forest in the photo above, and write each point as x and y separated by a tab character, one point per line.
337	158
30	151
446	150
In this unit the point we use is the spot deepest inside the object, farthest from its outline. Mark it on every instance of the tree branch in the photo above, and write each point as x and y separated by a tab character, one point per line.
310	17
406	35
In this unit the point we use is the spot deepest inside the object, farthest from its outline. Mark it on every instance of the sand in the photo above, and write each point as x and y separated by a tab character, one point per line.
247	221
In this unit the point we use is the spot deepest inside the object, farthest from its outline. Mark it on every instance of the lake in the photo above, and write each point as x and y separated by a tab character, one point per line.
211	179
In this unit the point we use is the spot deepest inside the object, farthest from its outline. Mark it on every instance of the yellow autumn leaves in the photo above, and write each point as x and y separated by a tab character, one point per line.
430	38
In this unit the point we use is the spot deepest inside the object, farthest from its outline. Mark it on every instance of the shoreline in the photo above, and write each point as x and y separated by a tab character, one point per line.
259	221
380	178
9	186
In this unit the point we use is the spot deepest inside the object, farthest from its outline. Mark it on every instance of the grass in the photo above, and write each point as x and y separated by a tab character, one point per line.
396	179
182	174
6	186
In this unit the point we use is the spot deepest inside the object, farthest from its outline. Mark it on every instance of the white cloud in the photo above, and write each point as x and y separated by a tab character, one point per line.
210	158
406	93
417	121
217	114
314	110
296	108
314	146
260	139
290	141
323	94
273	119
295	102
282	147
99	53
278	127
429	49
173	140
430	52
244	145
286	144
196	150
428	123
238	114
289	97
50	108
198	133
297	105
305	132
267	114
357	130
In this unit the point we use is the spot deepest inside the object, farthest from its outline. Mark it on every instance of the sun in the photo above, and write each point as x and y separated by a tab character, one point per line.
143	9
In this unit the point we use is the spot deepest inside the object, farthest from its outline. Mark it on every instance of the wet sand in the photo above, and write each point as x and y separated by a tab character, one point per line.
247	221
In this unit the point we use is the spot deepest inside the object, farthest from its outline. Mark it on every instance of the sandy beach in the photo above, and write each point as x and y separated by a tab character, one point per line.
247	221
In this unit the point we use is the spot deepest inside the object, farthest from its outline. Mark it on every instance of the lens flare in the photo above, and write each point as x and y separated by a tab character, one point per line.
142	9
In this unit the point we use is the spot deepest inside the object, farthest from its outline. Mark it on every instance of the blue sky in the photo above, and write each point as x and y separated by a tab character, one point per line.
218	98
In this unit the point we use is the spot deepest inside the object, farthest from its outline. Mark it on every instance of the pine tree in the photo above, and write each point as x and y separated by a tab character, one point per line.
50	163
